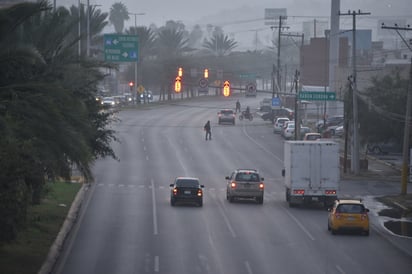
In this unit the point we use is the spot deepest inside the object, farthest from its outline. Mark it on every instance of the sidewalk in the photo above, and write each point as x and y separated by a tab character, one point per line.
394	218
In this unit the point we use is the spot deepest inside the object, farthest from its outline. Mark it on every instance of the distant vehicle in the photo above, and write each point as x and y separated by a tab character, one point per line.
251	93
146	96
245	183
312	136
349	215
311	172
186	189
384	147
226	116
108	102
279	122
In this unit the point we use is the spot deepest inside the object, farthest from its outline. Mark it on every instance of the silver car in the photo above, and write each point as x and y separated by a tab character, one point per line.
246	184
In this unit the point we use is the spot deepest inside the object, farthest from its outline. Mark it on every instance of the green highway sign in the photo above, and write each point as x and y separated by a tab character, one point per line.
317	96
120	48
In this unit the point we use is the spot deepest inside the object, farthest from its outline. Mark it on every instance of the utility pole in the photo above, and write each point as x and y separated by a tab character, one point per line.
278	76
297	86
355	135
405	148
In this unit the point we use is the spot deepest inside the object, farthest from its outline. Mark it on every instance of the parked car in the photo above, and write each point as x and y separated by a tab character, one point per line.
288	130
226	116
349	215
384	147
330	121
245	183
186	189
279	122
312	136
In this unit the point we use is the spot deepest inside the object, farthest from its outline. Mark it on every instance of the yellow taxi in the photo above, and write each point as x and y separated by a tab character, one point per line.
348	215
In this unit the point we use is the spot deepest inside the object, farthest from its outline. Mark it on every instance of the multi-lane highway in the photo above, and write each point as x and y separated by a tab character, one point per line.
127	225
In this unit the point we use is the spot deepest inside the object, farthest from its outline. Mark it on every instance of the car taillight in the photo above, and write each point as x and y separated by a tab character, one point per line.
233	185
298	191
337	215
364	217
330	192
261	186
199	193
175	191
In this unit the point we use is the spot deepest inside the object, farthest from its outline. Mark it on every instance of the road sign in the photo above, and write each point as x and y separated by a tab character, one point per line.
251	87
140	89
120	48
203	83
276	102
317	96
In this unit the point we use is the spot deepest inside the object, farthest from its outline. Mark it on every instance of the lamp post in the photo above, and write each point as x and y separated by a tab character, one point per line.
135	64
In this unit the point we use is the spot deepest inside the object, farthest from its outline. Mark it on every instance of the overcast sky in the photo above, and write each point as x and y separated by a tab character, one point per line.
200	11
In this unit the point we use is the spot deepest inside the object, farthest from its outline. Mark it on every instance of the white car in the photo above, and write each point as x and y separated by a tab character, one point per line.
279	122
289	130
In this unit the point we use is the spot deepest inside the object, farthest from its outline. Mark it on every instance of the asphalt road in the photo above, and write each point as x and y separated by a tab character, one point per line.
126	224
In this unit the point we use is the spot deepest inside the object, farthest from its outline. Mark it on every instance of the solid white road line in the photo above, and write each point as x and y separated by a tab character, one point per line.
249	269
156	264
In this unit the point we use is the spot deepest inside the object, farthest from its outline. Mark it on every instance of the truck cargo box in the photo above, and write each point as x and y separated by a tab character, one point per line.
311	171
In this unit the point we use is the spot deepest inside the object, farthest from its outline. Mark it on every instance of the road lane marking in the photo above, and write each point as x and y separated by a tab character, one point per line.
229	226
340	269
299	224
249	269
259	145
155	230
156	264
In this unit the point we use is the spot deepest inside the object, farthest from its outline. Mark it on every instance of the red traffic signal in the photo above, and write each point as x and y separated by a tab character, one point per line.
131	84
178	84
226	88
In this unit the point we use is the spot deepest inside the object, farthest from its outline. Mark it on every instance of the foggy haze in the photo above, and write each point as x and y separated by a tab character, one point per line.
244	20
199	12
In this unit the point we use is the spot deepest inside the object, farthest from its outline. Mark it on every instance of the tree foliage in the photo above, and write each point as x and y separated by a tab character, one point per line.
382	109
220	44
49	118
118	14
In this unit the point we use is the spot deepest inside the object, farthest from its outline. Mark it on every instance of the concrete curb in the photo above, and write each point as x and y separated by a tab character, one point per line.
57	245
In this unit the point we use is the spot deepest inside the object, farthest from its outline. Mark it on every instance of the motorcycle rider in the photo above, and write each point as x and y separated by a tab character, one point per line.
247	112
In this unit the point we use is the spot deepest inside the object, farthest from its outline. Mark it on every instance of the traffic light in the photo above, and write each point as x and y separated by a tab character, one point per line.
226	88
131	84
180	72
206	73
178	84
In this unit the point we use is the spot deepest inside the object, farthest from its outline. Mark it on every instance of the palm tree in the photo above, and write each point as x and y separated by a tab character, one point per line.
49	118
220	44
118	14
171	43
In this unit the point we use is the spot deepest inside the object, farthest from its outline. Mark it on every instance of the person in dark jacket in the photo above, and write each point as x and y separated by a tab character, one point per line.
208	130
237	106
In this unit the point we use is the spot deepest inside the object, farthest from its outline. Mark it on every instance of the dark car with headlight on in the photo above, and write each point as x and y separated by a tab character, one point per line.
226	116
186	190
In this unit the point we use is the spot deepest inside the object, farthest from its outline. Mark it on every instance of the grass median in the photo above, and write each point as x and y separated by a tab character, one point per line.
27	253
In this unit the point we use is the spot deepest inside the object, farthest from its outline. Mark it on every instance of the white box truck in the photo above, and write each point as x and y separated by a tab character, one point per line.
311	172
